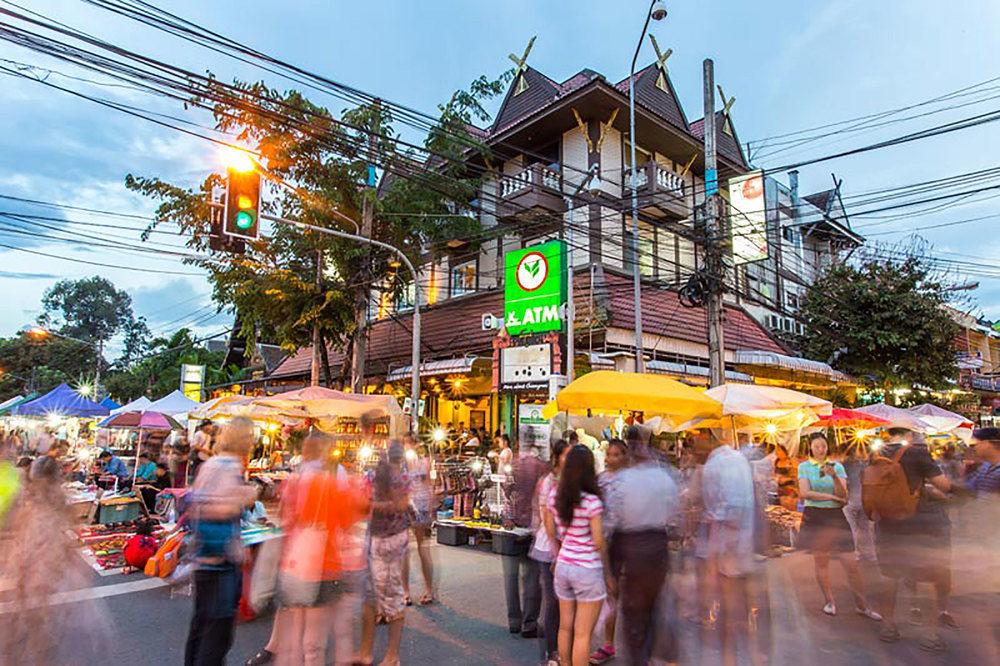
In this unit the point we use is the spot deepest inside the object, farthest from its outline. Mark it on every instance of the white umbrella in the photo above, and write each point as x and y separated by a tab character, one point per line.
896	416
137	405
173	404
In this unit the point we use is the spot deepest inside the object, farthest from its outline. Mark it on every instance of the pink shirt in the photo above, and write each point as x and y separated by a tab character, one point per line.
578	547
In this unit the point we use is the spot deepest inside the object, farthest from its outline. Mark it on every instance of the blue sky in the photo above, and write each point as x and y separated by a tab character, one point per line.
790	64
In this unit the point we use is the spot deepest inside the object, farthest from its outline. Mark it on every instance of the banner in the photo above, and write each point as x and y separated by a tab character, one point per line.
748	218
535	288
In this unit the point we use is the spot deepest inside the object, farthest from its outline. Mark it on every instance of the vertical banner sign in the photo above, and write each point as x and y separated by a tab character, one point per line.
192	380
533	429
535	288
748	218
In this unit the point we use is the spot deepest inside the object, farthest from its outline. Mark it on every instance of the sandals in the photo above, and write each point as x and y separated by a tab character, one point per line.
868	613
427	599
265	656
408	600
889	635
946	619
602	655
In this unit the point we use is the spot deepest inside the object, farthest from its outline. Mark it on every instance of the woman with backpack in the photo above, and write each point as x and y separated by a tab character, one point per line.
581	575
825	531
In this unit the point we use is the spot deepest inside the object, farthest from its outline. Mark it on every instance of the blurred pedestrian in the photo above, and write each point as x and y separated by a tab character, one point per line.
617	459
543	552
201	447
218	497
728	496
582	575
985	479
505	455
825	532
315	511
862	528
916	548
521	573
388	529
418	467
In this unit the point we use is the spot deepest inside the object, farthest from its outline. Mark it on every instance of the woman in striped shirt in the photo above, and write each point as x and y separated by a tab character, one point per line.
573	524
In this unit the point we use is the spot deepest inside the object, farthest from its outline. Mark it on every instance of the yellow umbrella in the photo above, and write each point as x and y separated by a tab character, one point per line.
609	392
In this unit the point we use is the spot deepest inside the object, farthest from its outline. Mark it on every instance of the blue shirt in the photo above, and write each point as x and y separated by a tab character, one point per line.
147	471
115	467
821	484
985	479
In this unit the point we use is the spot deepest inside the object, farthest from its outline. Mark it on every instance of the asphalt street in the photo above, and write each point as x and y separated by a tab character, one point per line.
147	623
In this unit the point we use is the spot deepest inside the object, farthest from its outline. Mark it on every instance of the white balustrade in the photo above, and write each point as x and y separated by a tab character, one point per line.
516	182
670	181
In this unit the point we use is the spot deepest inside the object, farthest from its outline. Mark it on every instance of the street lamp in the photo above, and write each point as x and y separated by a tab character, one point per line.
657	11
40	333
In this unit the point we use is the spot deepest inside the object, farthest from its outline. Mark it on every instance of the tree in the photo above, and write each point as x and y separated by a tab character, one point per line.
883	321
91	309
41	363
273	286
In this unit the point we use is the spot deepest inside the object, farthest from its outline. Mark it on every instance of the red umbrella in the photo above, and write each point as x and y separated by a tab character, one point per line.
850	418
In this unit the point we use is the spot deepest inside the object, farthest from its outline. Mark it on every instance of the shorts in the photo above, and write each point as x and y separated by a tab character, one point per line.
574	583
385	574
824	531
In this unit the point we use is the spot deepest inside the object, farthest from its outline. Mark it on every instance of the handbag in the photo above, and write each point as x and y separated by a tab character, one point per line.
301	571
264	577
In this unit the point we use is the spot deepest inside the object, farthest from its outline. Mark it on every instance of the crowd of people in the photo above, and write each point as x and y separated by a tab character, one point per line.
605	538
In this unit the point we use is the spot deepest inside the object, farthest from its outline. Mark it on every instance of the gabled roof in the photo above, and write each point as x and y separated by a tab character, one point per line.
823	200
540	92
727	144
653	98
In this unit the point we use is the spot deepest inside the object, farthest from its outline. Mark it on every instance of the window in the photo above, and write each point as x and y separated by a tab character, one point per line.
647	245
463	279
407	295
790	234
792	300
641	156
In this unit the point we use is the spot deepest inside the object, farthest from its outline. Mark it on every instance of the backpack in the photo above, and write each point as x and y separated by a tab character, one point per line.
885	490
138	550
165	560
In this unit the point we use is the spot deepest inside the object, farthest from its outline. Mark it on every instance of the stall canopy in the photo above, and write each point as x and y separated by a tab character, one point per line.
10	402
8	407
940	420
896	417
326	405
136	405
173	404
850	418
607	392
147	420
759	408
109	403
61	400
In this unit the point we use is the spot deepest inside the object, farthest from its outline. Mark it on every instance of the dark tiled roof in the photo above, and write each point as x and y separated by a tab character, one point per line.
822	200
453	328
580	78
727	144
272	355
662	314
541	92
648	95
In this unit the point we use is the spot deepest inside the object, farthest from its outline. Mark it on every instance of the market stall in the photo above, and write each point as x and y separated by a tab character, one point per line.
62	412
175	404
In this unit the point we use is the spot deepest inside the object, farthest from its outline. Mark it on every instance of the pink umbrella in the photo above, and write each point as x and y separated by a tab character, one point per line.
141	421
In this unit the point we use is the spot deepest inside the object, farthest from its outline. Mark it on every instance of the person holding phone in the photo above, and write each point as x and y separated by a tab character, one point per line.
825	531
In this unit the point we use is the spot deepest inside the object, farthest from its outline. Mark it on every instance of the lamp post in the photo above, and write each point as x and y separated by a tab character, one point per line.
591	177
657	11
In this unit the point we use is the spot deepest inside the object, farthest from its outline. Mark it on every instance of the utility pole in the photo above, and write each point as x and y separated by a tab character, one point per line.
97	370
316	337
367	213
713	240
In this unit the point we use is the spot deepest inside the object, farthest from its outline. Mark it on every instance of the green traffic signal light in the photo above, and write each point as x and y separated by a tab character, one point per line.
244	219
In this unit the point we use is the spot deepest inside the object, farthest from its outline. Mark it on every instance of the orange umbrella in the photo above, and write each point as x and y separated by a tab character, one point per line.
850	418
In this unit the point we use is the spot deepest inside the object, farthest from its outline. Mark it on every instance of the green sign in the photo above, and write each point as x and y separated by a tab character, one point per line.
535	288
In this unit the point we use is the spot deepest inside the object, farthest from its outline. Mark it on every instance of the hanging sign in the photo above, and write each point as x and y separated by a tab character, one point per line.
535	288
748	217
192	381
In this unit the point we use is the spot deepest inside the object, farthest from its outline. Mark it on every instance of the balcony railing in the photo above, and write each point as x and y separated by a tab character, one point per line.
534	175
659	188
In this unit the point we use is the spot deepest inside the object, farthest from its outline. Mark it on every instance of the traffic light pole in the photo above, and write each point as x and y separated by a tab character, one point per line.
415	355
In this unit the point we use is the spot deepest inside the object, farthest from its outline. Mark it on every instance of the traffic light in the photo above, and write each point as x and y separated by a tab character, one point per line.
242	215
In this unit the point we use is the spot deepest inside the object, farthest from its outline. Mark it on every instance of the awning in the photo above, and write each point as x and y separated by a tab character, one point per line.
450	366
599	361
698	371
793	363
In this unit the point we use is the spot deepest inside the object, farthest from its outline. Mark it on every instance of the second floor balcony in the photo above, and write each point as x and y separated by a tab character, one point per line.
533	190
661	191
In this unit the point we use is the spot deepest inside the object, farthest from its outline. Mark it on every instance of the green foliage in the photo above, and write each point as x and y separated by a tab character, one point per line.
325	161
50	362
91	308
159	373
883	322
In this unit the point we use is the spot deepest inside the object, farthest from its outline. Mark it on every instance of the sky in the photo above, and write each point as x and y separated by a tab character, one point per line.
791	65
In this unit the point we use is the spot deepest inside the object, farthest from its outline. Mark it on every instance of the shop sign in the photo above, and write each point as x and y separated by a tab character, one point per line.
535	288
748	218
533	429
527	367
192	380
408	406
